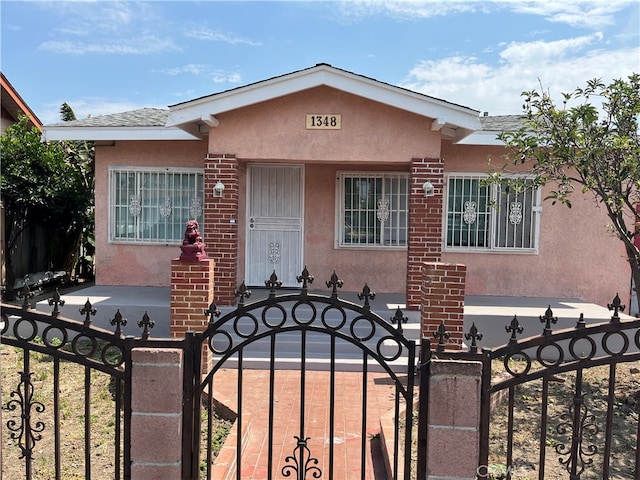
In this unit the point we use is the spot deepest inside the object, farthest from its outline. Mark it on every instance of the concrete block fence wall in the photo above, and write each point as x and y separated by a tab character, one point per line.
156	414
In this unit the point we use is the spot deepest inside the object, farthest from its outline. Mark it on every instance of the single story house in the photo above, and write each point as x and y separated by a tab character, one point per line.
336	171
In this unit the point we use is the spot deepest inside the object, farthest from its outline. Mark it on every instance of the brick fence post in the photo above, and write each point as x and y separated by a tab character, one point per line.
443	286
192	284
454	419
156	414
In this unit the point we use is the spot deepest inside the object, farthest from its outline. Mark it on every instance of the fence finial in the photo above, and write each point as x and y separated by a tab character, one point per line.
212	312
549	319
367	295
272	284
474	336
87	310
616	306
242	292
55	301
304	278
146	324
441	334
334	283
399	319
515	328
119	322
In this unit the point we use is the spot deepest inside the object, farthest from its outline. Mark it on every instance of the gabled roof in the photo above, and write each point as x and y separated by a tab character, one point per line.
190	120
454	120
13	103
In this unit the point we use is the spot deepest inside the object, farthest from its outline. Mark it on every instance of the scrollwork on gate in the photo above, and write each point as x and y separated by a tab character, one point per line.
24	431
577	423
303	462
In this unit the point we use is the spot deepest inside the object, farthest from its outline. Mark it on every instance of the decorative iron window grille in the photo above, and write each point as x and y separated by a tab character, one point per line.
153	205
373	209
491	217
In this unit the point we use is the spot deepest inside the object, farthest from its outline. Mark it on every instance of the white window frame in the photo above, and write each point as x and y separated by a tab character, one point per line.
495	216
397	209
161	209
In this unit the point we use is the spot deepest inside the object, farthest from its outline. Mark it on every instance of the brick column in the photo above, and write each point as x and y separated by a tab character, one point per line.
425	223
156	418
221	222
192	289
454	419
443	300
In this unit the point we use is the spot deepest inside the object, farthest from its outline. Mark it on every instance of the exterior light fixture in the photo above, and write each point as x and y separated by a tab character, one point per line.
429	190
218	189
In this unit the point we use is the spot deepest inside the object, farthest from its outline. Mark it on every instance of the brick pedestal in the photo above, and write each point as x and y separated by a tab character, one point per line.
192	291
443	300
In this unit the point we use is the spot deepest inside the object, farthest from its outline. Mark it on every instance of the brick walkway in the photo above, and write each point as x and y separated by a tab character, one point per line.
348	421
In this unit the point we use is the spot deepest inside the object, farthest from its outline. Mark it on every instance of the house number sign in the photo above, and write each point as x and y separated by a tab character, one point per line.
323	121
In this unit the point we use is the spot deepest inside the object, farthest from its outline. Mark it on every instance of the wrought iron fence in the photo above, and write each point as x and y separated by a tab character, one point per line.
557	367
34	409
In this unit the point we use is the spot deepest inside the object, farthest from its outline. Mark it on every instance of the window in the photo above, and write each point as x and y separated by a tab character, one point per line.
373	209
491	217
153	205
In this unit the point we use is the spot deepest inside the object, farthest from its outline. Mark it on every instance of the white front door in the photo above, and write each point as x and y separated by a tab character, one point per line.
274	236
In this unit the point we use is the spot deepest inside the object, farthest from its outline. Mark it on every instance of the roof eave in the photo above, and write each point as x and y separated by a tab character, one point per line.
115	133
489	138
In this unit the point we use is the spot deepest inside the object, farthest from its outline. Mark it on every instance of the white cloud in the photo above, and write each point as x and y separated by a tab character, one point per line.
202	32
594	14
199	69
559	66
131	46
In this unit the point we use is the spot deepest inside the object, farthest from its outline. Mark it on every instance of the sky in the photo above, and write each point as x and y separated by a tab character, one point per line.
104	57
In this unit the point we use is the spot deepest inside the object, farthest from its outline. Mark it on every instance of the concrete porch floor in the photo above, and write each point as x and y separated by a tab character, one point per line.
489	313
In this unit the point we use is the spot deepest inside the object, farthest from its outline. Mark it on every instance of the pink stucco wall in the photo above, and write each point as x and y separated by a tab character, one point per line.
578	257
127	264
371	132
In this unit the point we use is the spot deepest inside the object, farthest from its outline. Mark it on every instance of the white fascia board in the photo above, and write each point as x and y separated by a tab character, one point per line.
481	138
116	133
456	116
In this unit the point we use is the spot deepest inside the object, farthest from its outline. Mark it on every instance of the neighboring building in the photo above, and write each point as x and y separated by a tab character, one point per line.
13	106
326	168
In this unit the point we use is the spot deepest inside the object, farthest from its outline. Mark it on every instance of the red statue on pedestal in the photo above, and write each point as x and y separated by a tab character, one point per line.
192	246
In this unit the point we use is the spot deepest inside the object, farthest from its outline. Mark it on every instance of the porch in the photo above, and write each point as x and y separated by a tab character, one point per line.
490	314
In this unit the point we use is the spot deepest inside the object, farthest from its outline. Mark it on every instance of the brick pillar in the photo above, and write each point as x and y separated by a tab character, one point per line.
156	418
221	222
192	289
425	223
454	419
443	300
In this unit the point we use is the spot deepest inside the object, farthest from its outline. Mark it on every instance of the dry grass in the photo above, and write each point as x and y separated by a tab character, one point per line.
527	415
72	419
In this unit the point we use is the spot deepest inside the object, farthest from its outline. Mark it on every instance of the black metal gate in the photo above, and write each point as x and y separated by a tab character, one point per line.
299	329
50	339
